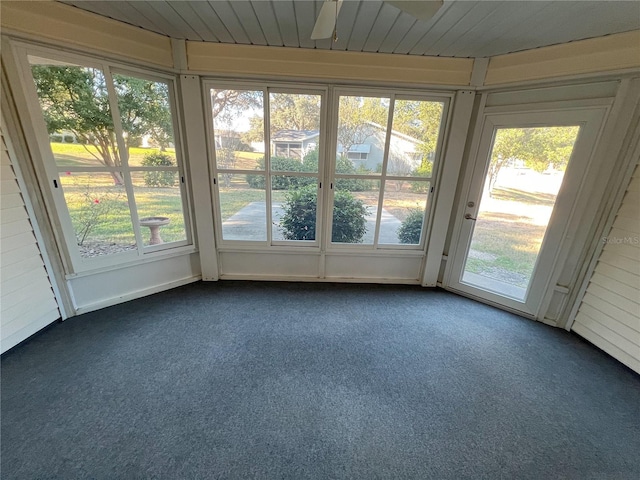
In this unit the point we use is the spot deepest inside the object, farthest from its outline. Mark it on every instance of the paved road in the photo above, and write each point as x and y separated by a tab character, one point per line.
250	224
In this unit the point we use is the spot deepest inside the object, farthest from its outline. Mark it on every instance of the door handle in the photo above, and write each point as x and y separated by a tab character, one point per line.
468	216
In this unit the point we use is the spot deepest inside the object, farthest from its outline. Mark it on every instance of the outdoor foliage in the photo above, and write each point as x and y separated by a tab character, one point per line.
299	220
280	182
308	165
344	166
359	119
158	179
287	112
349	223
95	207
410	230
539	148
421	120
75	99
424	170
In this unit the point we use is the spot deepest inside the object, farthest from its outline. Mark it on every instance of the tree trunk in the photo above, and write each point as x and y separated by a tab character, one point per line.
117	178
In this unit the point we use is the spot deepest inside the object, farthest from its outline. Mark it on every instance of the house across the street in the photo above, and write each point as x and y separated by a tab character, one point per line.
368	155
294	143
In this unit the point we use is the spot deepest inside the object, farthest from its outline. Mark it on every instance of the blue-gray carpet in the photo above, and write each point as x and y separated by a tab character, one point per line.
236	380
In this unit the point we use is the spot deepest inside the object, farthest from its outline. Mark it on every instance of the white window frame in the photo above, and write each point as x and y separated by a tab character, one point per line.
74	263
267	88
392	95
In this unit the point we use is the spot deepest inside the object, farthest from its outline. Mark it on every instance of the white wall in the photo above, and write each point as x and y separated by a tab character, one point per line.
609	315
28	301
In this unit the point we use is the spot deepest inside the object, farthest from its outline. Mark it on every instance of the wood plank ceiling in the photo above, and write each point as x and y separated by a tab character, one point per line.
460	28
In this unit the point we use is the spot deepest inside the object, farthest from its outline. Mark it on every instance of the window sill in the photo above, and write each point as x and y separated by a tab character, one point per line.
139	260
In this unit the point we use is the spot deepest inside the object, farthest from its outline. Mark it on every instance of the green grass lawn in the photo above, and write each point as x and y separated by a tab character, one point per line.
508	242
509	245
93	199
76	155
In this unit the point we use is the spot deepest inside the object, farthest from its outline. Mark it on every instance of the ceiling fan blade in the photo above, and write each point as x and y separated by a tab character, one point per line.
422	10
326	22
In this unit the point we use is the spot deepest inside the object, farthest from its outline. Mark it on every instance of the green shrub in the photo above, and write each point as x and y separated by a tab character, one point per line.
349	223
345	166
162	178
310	161
280	182
309	164
424	170
299	219
256	181
410	230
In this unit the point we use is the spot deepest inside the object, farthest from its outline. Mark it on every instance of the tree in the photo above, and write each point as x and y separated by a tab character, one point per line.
287	111
421	120
294	112
228	106
227	103
256	130
538	148
75	99
144	110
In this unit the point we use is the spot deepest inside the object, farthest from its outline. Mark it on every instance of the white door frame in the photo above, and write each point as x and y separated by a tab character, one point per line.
590	120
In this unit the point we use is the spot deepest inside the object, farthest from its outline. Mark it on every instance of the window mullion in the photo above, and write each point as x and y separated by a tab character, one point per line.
385	161
267	161
124	158
182	174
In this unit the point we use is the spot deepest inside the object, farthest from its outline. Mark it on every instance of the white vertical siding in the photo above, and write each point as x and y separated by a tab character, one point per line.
27	299
609	315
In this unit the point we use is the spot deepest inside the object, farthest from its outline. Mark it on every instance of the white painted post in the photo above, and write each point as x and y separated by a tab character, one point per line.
199	172
446	191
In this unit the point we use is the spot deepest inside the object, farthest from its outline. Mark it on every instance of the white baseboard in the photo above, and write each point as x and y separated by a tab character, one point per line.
137	294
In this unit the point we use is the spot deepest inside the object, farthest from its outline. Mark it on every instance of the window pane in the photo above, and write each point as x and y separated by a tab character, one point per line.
147	126
238	129
403	210
362	128
294	205
99	212
295	132
159	205
243	207
355	204
414	137
75	105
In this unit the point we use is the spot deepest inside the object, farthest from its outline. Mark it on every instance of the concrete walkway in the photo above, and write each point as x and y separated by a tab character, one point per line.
249	223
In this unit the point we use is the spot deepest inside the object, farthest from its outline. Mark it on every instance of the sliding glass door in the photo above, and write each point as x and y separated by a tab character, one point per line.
266	145
323	182
383	173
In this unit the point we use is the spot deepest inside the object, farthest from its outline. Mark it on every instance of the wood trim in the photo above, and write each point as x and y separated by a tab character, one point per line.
595	55
254	60
70	25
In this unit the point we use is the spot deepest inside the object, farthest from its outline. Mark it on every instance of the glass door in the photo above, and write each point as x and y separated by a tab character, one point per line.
522	188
